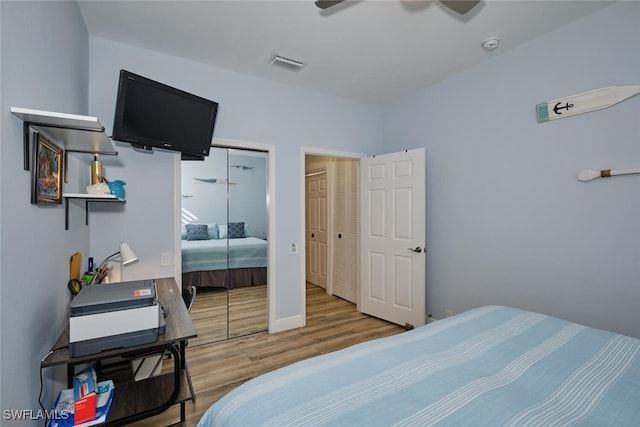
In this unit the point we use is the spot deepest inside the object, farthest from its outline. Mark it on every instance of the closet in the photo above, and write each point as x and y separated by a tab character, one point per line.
224	223
332	224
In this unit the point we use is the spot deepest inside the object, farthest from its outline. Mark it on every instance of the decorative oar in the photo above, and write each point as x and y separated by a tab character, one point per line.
585	102
589	174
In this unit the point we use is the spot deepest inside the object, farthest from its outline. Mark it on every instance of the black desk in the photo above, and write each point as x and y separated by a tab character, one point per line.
134	401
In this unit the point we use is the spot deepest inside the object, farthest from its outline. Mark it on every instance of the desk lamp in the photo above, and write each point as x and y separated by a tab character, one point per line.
127	256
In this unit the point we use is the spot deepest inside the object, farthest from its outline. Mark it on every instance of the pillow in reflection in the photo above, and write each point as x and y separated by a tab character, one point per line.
197	232
236	230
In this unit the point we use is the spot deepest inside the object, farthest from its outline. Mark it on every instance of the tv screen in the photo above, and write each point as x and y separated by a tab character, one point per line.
151	114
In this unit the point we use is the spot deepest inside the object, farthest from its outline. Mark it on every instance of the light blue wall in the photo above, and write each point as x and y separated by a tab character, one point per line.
44	51
507	220
251	110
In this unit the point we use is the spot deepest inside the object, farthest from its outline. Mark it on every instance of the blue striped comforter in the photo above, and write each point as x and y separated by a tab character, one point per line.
491	366
221	254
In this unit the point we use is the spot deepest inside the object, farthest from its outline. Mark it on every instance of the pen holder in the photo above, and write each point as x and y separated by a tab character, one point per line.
87	278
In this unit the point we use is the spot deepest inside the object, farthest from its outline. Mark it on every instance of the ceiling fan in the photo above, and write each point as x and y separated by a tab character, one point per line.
459	6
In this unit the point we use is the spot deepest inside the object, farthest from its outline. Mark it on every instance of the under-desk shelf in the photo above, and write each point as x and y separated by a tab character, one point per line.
147	394
87	198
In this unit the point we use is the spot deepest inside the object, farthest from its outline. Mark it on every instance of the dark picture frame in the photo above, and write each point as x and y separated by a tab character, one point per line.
46	174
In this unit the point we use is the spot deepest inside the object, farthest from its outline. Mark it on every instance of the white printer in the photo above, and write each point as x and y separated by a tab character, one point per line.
106	316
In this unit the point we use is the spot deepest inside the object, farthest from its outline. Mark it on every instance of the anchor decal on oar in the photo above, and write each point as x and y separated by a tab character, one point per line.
558	107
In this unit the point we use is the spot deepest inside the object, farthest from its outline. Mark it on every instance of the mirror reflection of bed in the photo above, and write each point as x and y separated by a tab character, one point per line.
224	242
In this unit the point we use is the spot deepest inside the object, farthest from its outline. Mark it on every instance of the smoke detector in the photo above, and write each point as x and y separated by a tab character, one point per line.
288	63
490	43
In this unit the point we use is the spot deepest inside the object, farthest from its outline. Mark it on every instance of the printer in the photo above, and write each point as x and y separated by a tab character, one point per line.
107	316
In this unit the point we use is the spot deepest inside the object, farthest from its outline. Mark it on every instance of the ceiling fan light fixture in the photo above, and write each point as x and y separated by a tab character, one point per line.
288	63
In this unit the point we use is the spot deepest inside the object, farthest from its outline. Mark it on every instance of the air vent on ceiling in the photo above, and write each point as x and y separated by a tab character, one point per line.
288	63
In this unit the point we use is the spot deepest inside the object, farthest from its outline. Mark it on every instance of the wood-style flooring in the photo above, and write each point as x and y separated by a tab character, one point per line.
219	314
217	368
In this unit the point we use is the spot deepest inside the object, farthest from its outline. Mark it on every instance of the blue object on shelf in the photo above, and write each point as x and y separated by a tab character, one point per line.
117	188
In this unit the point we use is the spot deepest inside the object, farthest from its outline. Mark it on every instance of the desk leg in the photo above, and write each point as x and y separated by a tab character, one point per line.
183	362
71	370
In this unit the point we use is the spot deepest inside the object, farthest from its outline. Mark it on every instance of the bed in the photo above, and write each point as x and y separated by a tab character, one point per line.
211	258
490	366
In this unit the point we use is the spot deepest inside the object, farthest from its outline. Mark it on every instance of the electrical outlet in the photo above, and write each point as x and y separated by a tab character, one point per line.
293	249
448	313
165	259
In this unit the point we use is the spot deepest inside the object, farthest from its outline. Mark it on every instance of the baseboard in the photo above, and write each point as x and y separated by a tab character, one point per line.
279	325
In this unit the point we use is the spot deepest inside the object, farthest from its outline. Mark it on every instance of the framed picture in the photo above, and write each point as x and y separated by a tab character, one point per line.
46	174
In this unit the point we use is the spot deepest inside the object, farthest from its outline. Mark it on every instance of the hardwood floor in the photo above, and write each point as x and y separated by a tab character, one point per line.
217	368
209	315
217	313
248	310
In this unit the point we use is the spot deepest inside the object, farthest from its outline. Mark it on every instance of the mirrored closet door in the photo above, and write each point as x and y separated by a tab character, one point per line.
224	242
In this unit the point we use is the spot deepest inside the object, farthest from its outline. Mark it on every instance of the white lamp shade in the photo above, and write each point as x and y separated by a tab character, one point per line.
126	254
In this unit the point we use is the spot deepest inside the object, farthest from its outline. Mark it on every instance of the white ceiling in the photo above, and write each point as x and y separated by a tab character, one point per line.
368	50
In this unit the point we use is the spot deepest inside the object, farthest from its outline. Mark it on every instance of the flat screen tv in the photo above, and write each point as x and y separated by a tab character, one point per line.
151	115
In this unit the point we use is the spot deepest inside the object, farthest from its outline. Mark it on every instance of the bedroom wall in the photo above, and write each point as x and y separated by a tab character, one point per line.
507	220
251	110
35	248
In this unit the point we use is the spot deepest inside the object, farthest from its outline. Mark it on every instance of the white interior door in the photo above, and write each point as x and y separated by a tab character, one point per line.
393	237
316	229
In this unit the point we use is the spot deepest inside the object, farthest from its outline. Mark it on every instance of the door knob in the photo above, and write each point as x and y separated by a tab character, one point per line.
417	250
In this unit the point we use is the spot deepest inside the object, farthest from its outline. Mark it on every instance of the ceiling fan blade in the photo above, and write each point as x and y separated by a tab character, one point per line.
460	6
324	4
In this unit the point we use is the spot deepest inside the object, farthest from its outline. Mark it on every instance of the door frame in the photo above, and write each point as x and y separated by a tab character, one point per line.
303	280
271	214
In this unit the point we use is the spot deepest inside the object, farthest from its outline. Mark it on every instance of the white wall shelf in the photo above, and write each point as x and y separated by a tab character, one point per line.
87	198
97	197
73	133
